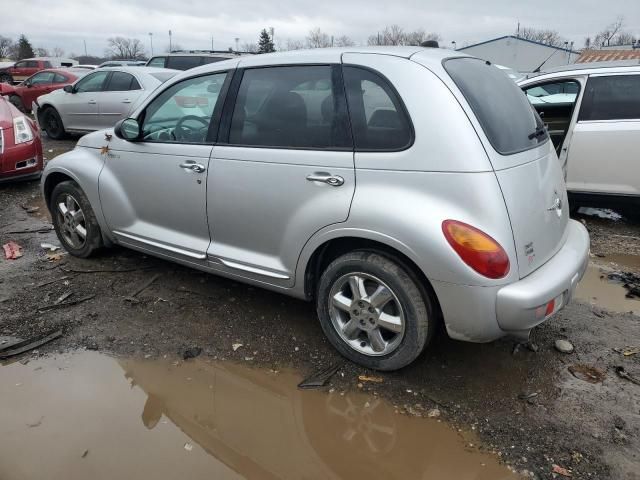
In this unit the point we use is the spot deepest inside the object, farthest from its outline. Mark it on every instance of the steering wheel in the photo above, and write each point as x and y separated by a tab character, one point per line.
185	132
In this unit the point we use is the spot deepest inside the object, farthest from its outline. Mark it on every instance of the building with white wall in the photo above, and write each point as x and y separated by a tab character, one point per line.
520	54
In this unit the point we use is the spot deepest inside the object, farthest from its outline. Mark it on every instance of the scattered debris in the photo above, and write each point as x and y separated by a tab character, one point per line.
587	373
50	246
366	378
188	447
191	353
54	257
627	351
65	304
630	281
622	373
236	346
433	413
49	282
12	250
561	471
564	346
26	345
122	270
85	453
527	396
37	230
35	424
62	298
144	286
321	377
30	209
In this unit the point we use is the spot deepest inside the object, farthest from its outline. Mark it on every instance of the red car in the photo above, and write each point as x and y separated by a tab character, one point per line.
20	145
23	69
23	94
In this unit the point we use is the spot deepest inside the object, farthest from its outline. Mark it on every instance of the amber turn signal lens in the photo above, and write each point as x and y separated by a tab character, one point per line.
476	249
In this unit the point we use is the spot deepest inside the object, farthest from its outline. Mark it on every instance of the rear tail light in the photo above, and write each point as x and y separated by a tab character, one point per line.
476	249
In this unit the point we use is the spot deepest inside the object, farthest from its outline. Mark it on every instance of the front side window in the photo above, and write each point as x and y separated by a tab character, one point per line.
92	83
183	63
378	119
122	82
563	92
503	111
184	111
290	107
156	62
20	65
32	64
614	97
42	78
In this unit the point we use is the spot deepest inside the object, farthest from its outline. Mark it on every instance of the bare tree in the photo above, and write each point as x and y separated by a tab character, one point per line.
121	48
318	39
395	35
58	52
5	46
291	44
548	37
249	47
623	38
604	37
40	52
419	36
344	41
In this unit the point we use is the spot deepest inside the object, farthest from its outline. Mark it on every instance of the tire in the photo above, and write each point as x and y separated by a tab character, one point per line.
52	124
353	334
66	199
16	101
6	78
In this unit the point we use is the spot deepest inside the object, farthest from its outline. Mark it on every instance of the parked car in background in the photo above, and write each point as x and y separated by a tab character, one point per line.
86	67
24	94
20	145
98	100
592	113
186	59
459	213
122	63
23	69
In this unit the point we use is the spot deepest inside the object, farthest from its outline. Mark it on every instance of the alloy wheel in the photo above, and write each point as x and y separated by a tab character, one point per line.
72	222
366	314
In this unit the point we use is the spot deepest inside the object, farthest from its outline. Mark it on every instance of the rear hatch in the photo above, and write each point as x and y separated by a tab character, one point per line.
522	156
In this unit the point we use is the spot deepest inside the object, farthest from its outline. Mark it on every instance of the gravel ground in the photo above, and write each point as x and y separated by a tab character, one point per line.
524	403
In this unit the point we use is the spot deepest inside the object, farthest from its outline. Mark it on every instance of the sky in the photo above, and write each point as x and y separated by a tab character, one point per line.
194	23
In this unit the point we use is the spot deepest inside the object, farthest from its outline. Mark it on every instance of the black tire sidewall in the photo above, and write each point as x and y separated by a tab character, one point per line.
419	318
60	134
16	101
94	235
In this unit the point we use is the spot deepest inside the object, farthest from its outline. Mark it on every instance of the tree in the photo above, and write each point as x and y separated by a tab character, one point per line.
395	35
293	45
249	47
548	37
604	37
41	52
265	42
318	39
624	38
121	48
420	36
344	41
58	52
23	49
5	46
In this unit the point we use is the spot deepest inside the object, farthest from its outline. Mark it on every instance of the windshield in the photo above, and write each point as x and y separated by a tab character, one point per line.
506	116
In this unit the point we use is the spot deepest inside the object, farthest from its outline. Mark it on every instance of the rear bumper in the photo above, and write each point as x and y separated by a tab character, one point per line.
518	304
483	314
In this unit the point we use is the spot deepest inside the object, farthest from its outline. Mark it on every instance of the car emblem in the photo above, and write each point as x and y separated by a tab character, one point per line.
556	205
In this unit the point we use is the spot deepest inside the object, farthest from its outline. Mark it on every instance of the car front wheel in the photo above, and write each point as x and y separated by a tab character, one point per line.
74	220
52	124
373	311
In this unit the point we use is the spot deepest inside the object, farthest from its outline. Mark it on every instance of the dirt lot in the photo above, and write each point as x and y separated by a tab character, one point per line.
531	407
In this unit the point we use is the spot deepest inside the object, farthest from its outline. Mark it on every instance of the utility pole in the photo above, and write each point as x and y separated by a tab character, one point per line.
151	40
170	41
272	31
237	41
85	48
212	42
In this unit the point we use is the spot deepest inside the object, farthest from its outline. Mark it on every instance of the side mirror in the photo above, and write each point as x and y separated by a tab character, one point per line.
68	89
127	129
28	84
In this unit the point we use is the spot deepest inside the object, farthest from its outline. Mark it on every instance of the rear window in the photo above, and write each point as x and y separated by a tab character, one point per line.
506	116
614	97
183	63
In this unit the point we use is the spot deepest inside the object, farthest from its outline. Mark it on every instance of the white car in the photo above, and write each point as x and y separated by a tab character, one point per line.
592	113
98	100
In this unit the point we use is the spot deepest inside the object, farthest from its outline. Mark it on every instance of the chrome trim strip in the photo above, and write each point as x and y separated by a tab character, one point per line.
247	268
180	251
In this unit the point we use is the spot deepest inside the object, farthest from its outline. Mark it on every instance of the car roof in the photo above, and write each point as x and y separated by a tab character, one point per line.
611	68
135	70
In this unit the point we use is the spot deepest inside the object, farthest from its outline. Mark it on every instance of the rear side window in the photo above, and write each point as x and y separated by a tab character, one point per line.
378	119
59	78
298	107
502	109
122	82
183	63
206	60
615	97
156	62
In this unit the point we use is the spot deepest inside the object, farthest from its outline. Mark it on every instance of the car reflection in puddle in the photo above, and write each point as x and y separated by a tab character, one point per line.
87	415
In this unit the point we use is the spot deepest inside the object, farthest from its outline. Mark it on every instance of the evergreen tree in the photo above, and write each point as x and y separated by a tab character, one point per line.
25	50
265	43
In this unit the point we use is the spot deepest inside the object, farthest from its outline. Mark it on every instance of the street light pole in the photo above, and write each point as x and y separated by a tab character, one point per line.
170	42
151	40
453	42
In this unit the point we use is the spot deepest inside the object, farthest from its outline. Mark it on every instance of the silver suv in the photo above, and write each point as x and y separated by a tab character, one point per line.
397	187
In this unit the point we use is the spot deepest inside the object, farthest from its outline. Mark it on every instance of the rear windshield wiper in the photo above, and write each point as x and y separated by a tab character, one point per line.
540	131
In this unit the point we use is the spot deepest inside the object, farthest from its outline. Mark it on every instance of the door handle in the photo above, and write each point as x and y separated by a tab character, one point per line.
126	101
193	166
324	177
91	102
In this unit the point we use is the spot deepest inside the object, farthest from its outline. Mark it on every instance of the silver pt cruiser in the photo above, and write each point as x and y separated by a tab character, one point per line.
397	187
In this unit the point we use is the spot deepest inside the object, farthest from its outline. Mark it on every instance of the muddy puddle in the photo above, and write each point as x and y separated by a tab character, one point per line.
86	415
596	288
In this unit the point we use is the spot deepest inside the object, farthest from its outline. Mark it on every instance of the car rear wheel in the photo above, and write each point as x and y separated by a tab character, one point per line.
52	124
6	78
74	220
16	101
373	311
